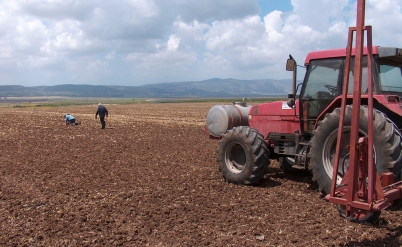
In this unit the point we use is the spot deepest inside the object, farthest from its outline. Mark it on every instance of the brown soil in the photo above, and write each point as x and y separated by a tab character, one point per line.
150	178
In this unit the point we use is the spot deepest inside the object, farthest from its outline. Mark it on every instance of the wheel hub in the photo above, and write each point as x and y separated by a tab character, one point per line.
235	158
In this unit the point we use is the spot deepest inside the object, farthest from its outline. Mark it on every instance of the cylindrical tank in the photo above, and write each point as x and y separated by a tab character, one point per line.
224	117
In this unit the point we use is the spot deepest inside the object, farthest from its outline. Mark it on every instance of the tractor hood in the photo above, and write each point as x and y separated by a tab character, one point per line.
275	117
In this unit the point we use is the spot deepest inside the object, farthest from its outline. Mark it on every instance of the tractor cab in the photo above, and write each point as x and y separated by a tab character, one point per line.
323	84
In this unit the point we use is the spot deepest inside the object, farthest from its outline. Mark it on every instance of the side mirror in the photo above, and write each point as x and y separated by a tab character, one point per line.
290	64
291	103
291	96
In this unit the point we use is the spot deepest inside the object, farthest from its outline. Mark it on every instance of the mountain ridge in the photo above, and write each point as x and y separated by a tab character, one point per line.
214	87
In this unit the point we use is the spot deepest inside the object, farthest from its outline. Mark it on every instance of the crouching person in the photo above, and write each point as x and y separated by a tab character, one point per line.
70	120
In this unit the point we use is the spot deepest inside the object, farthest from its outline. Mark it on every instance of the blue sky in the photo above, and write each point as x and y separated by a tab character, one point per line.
137	42
267	6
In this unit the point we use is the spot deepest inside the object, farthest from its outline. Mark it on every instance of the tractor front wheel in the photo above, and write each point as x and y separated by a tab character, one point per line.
242	155
286	164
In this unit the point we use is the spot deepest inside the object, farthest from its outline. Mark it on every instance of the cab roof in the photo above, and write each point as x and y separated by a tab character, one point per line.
334	53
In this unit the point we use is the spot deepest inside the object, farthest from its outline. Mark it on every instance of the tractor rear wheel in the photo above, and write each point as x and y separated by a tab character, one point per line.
387	146
242	155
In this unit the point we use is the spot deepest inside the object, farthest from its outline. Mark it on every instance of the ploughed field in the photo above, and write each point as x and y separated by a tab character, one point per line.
151	179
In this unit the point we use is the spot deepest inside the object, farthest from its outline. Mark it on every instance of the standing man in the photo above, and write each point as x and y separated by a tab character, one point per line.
102	111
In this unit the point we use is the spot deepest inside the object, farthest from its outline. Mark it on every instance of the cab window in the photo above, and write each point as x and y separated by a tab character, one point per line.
321	87
322	79
364	87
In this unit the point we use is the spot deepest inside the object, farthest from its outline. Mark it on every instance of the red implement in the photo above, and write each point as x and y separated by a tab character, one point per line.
362	192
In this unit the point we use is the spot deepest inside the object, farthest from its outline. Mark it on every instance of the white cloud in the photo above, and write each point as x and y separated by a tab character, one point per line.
173	43
97	65
110	55
273	26
149	41
385	17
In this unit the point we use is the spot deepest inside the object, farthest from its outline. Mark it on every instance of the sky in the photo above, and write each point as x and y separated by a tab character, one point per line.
138	42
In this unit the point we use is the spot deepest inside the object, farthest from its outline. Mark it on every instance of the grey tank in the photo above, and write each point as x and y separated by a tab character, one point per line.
221	118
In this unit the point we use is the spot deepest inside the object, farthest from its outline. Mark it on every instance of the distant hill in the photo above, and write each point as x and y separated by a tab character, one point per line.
208	88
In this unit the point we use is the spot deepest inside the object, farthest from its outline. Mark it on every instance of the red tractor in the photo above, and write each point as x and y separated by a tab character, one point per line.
302	132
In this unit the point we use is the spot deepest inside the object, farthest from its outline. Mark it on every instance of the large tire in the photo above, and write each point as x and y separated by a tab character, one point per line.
387	146
242	155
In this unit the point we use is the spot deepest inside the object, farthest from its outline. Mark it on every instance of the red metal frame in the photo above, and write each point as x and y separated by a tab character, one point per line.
353	194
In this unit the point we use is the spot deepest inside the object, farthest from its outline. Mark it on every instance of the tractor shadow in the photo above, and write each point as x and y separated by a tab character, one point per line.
396	205
275	176
390	240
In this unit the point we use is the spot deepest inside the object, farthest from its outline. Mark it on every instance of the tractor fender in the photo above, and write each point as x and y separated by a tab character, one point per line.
393	110
334	104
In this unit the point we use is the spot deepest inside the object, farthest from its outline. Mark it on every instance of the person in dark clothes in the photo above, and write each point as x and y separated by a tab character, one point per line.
102	112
